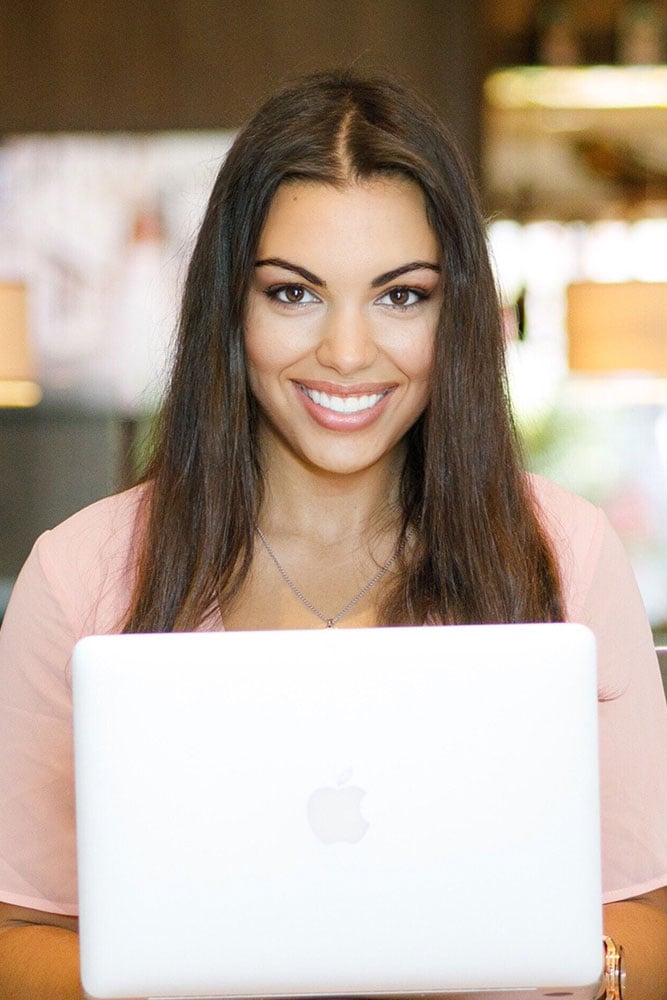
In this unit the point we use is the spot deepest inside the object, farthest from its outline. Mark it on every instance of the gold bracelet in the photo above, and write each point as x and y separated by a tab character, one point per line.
613	977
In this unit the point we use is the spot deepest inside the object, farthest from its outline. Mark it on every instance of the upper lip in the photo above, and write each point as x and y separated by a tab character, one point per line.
358	389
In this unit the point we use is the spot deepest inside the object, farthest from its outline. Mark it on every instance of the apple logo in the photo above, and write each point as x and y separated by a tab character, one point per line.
335	814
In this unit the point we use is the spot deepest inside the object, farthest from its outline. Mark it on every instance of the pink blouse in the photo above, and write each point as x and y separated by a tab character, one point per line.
77	582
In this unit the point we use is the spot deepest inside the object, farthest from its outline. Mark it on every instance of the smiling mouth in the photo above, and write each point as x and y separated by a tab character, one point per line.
344	404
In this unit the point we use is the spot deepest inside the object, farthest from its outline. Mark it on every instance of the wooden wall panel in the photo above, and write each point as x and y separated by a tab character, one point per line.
163	64
511	27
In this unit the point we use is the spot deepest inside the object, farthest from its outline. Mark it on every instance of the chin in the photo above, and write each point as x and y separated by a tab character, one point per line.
346	463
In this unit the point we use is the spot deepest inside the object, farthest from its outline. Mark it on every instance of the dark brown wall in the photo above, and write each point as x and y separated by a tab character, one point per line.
52	464
511	27
162	64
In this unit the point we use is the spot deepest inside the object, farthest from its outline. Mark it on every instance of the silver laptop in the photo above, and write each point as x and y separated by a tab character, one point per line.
339	812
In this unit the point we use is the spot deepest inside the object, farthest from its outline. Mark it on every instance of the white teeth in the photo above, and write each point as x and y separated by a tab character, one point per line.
344	404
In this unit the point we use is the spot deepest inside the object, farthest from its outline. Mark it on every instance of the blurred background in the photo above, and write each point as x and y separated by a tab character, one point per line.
114	117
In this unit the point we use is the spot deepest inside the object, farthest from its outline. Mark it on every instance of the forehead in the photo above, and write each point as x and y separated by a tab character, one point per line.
380	214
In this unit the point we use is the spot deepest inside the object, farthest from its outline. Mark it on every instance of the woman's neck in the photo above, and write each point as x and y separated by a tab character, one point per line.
328	507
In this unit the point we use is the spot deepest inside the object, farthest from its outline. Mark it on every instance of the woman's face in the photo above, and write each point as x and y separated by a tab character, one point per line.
341	320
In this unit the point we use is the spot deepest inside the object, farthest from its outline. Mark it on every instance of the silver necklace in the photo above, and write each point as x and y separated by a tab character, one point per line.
329	622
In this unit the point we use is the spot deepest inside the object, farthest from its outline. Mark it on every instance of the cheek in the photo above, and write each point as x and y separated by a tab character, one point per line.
417	356
271	343
263	348
412	346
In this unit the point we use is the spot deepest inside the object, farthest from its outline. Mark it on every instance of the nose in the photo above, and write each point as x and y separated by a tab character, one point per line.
347	343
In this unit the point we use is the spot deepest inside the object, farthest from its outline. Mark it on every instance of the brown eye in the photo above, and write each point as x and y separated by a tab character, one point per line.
399	296
291	295
402	297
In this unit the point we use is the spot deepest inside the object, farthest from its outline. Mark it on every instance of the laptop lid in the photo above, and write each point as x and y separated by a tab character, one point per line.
339	812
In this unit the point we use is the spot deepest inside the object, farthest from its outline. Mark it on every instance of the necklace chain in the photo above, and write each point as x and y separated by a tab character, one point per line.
328	621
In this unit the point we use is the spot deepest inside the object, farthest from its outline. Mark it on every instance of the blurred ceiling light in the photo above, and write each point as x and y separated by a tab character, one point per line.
17	377
587	87
648	239
618	327
613	393
606	252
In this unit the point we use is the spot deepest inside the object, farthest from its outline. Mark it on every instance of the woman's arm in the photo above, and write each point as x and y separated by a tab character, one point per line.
640	927
39	955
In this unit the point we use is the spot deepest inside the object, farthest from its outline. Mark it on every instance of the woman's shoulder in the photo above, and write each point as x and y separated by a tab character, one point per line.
580	534
87	561
111	519
575	525
555	501
104	527
598	581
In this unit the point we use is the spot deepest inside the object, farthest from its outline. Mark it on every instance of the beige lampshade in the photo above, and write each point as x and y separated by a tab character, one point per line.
18	386
617	327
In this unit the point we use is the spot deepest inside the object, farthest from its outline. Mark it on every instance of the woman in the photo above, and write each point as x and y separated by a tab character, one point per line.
335	450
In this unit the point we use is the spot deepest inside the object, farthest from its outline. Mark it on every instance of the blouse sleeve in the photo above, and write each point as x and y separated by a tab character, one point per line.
75	582
601	592
633	728
37	851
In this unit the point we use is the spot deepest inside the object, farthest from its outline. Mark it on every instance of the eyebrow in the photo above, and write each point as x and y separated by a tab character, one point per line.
287	266
382	279
415	265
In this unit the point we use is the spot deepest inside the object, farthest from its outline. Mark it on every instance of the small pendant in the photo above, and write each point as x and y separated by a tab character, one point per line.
330	623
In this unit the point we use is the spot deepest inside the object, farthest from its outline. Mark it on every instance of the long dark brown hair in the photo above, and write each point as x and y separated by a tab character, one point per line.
477	552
